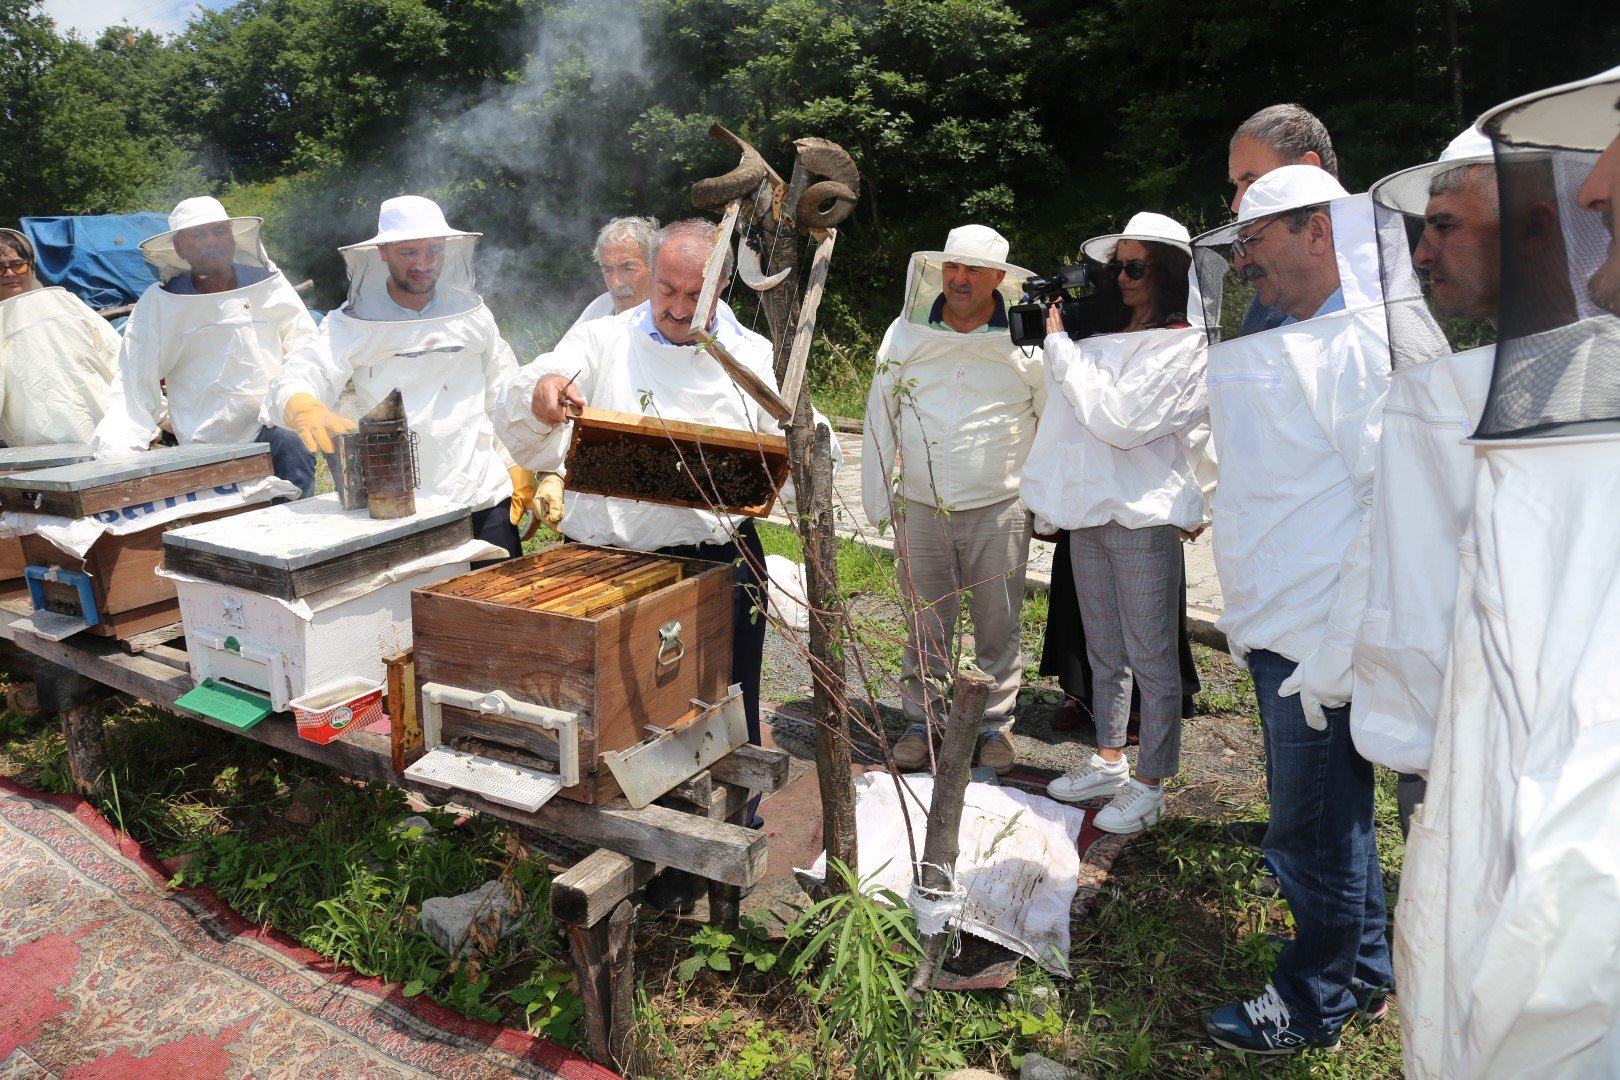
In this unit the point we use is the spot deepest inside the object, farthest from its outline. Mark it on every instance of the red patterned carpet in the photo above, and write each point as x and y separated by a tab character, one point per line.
106	974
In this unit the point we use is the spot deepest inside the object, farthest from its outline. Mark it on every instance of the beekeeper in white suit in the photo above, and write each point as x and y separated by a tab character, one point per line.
413	322
1424	495
958	402
1295	411
646	362
57	357
1507	932
207	337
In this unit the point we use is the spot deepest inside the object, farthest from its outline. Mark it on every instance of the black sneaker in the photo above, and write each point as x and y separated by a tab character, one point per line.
1262	1025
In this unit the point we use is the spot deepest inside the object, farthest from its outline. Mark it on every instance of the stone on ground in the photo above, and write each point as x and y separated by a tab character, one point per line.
475	920
971	1074
1036	1067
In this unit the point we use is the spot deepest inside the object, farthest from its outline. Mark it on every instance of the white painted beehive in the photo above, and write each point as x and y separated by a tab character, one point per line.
298	597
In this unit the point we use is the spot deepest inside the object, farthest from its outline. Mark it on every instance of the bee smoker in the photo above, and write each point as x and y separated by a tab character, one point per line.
376	466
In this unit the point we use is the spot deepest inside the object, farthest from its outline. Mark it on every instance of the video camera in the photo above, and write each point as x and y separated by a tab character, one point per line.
1098	308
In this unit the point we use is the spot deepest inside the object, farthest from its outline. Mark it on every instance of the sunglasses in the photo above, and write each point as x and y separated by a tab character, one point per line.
1136	269
1240	244
15	266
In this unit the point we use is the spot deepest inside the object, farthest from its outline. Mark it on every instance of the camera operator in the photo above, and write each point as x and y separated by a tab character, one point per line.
1112	464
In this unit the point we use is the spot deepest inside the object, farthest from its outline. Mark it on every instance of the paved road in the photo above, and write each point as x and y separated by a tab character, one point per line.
1203	589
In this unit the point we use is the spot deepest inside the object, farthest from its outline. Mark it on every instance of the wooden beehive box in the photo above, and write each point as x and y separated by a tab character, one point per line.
20	459
129	597
677	463
329	559
578	628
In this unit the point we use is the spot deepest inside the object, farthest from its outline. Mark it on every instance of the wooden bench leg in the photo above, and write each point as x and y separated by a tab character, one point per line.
78	703
604	971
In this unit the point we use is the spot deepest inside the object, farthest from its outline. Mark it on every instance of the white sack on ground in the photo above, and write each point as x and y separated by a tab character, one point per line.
1018	860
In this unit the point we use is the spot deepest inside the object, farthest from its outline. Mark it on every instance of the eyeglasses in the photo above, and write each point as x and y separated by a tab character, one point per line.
1136	269
15	266
1240	244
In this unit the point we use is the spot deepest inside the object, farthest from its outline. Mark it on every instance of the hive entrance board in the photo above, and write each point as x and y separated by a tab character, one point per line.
676	463
91	487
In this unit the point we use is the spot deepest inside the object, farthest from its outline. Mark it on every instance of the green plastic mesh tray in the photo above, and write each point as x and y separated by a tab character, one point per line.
239	708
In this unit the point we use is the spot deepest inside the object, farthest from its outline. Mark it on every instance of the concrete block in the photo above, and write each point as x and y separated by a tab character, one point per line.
449	919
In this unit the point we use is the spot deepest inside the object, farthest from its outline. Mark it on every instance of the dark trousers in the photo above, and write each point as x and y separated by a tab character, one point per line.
494	524
289	458
1320	843
747	555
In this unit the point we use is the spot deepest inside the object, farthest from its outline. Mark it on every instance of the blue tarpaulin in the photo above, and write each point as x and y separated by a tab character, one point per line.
96	258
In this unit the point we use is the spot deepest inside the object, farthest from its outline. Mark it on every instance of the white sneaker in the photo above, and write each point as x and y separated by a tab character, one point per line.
1138	807
1093	780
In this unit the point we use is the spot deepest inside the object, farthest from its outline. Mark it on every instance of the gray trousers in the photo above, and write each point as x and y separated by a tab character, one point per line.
942	554
1129	585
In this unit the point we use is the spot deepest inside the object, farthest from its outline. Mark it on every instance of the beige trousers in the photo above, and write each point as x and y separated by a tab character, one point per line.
944	554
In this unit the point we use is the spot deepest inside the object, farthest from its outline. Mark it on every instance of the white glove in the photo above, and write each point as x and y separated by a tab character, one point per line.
1323	680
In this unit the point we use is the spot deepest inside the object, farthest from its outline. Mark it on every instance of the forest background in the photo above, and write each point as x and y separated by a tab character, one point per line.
533	121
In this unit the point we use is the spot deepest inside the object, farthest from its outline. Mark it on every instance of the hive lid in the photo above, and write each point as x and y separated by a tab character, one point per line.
91	474
14	459
310	531
299	548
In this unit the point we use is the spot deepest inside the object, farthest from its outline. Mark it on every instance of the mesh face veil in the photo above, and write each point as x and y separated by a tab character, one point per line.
1438	251
1557	366
1282	275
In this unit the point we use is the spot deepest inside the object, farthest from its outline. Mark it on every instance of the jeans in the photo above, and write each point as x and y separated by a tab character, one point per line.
1322	848
289	458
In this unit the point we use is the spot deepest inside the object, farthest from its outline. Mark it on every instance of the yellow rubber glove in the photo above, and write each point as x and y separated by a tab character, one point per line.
315	423
523	488
549	501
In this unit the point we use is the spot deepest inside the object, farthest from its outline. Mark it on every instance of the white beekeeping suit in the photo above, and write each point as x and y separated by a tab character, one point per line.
1424	492
618	366
959	410
1509	920
1305	396
210	354
448	362
57	357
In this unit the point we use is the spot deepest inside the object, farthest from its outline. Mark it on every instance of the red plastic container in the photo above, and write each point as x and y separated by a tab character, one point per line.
332	712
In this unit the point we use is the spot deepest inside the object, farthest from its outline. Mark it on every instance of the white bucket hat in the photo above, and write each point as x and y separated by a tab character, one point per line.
1408	189
974	245
409	217
1144	226
1291	187
189	213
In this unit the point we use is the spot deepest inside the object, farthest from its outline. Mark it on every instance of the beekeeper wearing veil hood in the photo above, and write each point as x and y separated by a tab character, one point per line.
206	338
1441	296
413	323
1508	928
958	402
1295	411
57	356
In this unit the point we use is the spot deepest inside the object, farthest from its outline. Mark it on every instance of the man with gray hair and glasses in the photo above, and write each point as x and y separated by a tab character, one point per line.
1275	136
624	250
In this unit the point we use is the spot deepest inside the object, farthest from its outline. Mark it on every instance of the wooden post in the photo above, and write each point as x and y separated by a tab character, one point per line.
622	1044
590	948
936	872
76	701
725	901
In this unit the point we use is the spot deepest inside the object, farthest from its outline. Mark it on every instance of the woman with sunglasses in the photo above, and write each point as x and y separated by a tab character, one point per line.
57	357
1115	468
